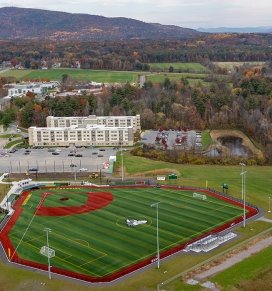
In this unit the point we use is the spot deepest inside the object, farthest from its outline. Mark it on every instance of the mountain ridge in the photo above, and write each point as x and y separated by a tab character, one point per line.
257	29
29	23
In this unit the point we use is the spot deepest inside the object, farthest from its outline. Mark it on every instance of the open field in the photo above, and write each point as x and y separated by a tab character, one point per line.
18	74
188	67
232	65
99	243
258	179
159	77
254	272
102	76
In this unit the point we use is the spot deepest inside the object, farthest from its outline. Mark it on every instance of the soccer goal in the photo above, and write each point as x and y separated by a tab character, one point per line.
199	196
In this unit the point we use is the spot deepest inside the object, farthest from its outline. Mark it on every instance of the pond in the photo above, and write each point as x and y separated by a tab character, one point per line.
235	146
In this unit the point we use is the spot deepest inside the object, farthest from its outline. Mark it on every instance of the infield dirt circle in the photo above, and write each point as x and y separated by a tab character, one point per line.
96	200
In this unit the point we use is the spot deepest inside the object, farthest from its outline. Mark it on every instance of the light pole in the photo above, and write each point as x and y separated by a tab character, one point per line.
122	161
243	174
73	166
158	242
242	165
47	230
269	208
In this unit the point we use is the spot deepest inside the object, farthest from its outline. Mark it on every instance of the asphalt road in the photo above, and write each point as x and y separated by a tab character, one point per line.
44	161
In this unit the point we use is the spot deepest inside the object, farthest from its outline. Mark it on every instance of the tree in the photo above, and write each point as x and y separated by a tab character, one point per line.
171	69
148	119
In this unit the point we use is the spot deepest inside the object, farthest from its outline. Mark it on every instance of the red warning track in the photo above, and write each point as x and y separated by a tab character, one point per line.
96	200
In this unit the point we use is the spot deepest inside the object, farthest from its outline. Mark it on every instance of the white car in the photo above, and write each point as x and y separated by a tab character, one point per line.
83	170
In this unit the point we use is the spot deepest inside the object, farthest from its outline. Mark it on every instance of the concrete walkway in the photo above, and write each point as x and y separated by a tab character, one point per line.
265	219
235	259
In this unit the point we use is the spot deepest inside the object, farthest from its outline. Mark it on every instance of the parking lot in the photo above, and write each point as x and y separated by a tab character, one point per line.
66	160
192	139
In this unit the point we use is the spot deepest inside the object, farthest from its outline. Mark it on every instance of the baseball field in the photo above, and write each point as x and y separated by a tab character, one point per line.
89	232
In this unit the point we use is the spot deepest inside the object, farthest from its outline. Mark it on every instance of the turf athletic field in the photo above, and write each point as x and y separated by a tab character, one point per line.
96	241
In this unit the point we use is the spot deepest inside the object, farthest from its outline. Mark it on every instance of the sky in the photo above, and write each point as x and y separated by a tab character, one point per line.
185	13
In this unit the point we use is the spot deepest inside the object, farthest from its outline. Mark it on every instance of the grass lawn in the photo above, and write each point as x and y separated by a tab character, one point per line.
102	76
14	142
249	270
3	190
98	243
190	67
18	74
10	135
232	65
198	82
258	178
158	78
206	139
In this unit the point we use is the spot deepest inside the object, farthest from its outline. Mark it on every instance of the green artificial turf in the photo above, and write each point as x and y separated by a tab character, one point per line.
99	242
64	197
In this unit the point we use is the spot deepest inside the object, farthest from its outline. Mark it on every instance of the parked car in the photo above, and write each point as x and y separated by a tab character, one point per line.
73	165
55	153
33	169
100	156
13	150
83	170
95	153
78	155
70	154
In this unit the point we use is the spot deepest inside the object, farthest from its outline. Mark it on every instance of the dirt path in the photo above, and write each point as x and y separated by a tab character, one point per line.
236	258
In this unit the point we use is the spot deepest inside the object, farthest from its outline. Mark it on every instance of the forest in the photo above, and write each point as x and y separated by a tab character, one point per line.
136	54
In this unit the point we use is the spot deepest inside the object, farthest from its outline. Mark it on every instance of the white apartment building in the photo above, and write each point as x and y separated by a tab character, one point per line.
107	121
81	136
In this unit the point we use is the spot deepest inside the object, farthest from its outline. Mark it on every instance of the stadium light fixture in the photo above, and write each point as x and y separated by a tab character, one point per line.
243	174
47	230
158	242
242	165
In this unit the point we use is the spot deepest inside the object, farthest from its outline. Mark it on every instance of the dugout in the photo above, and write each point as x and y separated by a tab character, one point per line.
132	181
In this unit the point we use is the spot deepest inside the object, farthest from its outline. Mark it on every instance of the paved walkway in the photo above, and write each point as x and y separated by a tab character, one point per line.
236	258
265	219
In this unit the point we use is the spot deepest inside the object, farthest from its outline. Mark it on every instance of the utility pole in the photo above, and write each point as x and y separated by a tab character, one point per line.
158	242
